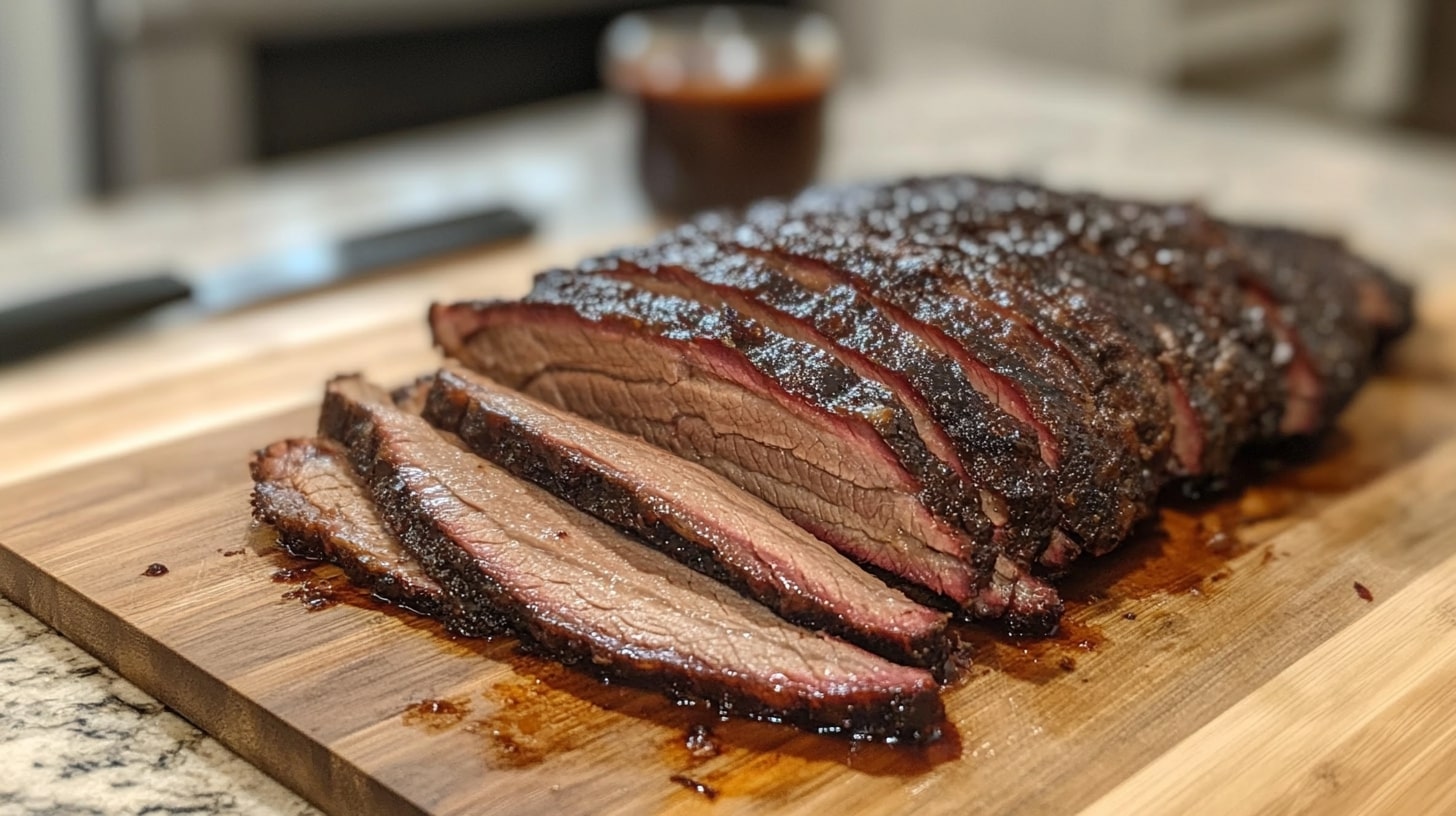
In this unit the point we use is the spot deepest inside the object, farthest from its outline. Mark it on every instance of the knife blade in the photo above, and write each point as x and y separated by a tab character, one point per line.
42	325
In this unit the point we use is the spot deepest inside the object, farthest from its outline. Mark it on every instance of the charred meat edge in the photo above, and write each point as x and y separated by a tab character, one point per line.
306	490
1216	347
556	582
910	542
957	423
960	325
688	512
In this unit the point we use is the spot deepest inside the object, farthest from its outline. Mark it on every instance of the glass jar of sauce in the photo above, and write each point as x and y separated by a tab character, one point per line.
731	100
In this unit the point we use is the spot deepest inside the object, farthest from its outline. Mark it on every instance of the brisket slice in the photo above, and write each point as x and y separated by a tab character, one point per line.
1102	485
306	490
688	512
1128	340
1317	289
1216	347
958	425
773	416
581	590
1180	248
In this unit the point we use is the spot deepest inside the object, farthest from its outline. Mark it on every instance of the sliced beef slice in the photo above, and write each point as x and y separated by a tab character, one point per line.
1317	290
688	512
581	590
306	490
957	423
775	417
1102	487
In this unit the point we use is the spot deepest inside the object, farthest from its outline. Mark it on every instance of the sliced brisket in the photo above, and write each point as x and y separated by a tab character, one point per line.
1316	289
688	512
1103	486
513	554
1218	344
779	418
1046	362
957	423
305	489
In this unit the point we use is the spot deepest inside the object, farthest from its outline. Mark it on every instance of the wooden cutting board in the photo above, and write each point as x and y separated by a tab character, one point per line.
1289	646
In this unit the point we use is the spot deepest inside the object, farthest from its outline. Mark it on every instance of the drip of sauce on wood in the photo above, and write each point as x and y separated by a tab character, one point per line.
155	571
700	788
1036	660
314	595
293	575
700	743
1363	592
436	715
533	720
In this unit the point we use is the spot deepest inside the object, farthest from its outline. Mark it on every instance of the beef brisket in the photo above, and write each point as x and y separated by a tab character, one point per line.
778	418
512	554
305	489
1331	338
957	423
1220	354
1101	490
1100	347
687	511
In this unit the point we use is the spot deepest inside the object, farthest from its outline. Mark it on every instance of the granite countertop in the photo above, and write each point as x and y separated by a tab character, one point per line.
79	739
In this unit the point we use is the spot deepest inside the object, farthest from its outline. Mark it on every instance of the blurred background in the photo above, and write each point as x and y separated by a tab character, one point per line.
195	131
100	97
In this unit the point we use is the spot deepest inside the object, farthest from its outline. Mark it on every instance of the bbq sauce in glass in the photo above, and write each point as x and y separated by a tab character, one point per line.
730	101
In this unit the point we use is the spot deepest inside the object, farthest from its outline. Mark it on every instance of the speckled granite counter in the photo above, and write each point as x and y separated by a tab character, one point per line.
77	739
74	738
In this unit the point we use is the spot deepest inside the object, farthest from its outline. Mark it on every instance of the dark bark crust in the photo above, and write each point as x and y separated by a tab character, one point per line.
913	715
516	446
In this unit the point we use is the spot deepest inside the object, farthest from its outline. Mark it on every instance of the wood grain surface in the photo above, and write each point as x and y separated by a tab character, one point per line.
1223	661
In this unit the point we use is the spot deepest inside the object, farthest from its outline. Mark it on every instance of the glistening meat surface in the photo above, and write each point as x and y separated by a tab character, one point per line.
515	555
687	511
786	424
306	490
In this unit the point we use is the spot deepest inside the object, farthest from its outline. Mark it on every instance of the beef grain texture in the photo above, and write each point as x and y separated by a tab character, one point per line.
688	512
1108	347
305	489
513	554
776	417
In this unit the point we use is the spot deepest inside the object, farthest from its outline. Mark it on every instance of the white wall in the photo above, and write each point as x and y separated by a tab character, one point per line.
42	146
1152	41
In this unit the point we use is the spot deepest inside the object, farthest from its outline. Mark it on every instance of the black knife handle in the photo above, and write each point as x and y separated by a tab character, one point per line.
42	325
420	241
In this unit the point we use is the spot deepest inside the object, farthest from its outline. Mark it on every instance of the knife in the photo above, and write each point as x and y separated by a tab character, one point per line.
39	326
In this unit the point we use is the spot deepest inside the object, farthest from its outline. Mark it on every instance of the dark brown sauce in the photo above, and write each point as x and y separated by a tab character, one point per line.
1363	592
436	715
233	552
155	571
703	147
293	575
314	595
314	592
1036	660
700	788
700	743
292	569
